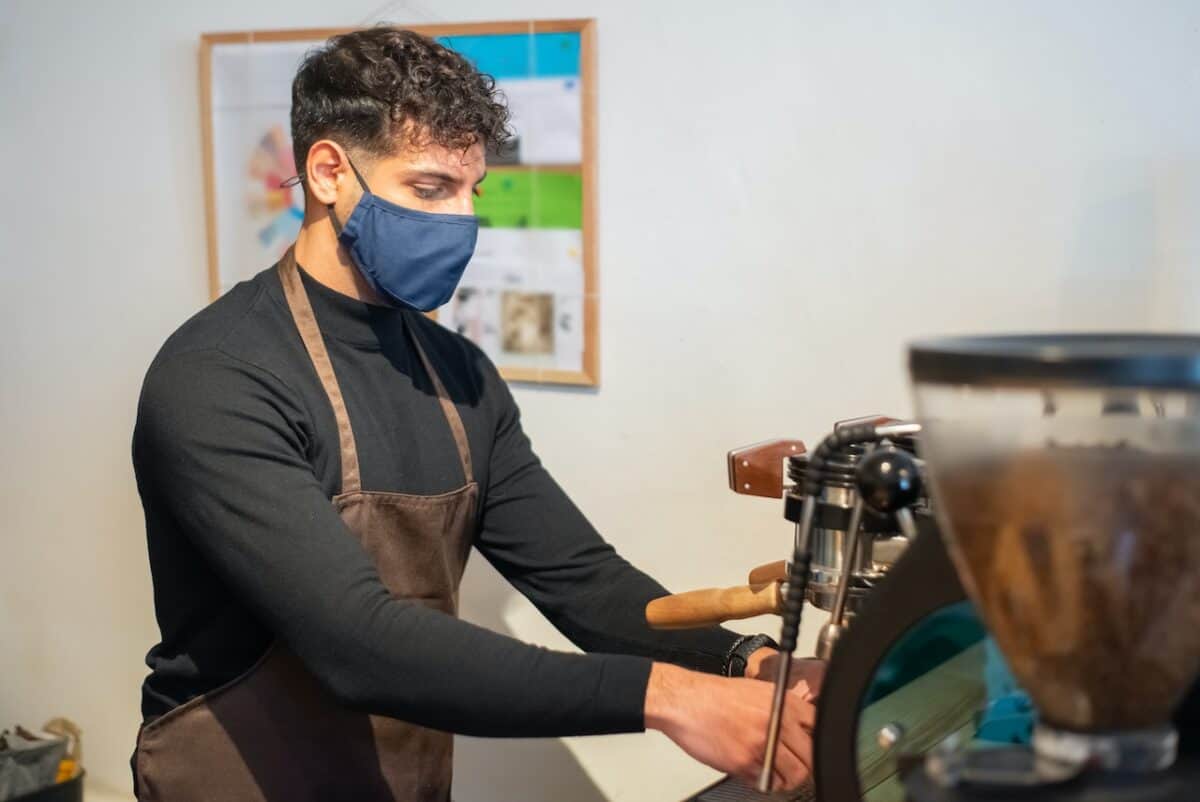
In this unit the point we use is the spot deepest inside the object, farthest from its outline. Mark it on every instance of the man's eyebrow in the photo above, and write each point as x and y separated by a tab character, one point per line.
439	175
447	177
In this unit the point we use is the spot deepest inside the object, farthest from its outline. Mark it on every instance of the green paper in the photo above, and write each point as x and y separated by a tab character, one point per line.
523	198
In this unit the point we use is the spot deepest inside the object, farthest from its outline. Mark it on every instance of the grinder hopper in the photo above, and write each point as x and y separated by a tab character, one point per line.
1065	472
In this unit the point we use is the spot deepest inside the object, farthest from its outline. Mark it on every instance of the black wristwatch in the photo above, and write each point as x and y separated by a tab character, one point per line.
739	654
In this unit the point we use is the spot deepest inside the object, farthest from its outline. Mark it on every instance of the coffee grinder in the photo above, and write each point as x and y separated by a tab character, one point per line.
1065	476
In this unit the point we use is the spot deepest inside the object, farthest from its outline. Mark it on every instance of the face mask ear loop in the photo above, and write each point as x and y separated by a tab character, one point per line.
362	182
337	227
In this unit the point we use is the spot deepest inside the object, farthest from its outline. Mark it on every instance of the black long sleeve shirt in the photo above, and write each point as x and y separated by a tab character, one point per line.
236	455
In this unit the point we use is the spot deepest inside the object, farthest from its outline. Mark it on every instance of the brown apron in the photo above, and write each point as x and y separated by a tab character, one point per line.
275	734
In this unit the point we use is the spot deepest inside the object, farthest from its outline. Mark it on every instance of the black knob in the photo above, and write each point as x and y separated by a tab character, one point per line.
888	479
797	466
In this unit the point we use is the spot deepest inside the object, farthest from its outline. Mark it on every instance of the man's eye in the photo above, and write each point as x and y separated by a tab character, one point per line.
426	193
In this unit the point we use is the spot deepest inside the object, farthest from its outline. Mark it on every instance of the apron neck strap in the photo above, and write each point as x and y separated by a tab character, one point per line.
448	407
310	333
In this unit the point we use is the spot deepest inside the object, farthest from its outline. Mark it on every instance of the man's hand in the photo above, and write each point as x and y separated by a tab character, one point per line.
804	681
722	721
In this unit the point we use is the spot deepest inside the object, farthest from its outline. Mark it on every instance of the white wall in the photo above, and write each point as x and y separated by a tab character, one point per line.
788	192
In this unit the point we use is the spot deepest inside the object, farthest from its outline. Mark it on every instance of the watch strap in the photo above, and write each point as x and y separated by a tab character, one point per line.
739	654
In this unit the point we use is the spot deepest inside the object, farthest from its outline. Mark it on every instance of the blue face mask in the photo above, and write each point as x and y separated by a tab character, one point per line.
413	258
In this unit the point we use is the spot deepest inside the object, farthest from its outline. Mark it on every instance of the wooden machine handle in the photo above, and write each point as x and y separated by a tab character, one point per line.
702	608
878	420
757	470
771	572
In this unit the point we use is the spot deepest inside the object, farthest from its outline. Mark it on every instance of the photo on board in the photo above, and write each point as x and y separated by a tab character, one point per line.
527	322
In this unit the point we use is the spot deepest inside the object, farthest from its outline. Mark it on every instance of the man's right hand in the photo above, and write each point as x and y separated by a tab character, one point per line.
722	722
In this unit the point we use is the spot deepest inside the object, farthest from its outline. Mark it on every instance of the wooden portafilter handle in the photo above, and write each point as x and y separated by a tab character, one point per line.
771	572
702	608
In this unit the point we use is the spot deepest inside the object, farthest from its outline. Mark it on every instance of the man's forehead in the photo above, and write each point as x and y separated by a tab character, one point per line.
458	161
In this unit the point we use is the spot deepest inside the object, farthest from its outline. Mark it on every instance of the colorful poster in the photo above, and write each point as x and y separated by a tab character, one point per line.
524	296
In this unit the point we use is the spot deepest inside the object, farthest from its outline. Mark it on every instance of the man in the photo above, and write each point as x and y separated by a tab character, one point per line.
310	650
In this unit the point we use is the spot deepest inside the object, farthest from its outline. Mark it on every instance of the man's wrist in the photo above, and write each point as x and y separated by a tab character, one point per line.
660	695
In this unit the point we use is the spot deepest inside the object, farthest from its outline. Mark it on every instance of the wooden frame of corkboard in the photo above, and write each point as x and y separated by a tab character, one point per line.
589	375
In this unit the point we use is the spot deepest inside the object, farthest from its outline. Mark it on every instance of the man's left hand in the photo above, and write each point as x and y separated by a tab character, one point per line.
804	681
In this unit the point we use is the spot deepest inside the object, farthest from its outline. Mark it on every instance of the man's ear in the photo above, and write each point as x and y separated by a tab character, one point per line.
326	168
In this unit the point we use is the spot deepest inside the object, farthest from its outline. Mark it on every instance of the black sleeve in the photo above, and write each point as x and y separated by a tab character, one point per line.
220	445
539	540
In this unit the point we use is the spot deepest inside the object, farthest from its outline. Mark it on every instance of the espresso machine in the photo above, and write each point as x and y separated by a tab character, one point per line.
852	545
1039	636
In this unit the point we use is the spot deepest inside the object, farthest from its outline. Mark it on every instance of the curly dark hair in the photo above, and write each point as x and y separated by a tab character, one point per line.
369	88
